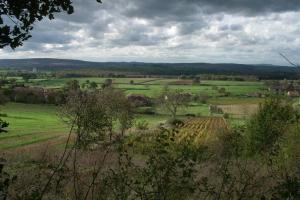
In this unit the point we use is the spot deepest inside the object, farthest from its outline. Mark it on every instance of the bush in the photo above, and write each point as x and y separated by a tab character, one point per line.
28	95
148	111
201	98
190	115
226	115
268	126
3	125
174	122
165	175
142	125
139	100
5	180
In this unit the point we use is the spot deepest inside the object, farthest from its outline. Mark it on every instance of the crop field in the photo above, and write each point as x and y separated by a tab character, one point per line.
201	130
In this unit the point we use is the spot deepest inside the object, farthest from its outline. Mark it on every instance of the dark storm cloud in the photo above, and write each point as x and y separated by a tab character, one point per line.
167	27
186	9
189	15
232	27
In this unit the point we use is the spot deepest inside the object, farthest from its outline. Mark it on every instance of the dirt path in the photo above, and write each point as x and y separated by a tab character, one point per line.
38	146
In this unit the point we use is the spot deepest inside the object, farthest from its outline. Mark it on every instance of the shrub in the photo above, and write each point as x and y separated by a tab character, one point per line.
269	124
190	115
139	100
3	125
165	175
142	125
201	98
226	115
148	111
174	122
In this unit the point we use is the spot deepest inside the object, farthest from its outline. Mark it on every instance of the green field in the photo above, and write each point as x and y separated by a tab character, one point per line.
32	124
153	86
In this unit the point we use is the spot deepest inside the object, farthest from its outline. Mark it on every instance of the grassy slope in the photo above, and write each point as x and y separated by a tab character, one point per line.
30	124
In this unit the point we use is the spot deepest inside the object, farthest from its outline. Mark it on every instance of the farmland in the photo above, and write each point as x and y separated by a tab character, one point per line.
202	130
30	124
33	124
152	86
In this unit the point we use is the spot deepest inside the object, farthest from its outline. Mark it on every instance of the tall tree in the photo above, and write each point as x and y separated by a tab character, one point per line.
85	112
173	101
17	18
118	109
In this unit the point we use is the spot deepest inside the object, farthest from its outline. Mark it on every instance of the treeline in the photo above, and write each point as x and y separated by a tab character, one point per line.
34	95
228	78
172	69
25	75
80	74
261	72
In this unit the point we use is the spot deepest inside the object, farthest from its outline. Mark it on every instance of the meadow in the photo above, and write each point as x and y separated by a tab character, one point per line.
30	124
33	124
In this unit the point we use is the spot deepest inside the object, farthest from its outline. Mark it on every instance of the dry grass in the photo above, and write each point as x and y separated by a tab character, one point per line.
240	110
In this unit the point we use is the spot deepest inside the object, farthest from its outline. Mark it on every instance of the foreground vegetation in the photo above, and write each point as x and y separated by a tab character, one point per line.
168	139
257	161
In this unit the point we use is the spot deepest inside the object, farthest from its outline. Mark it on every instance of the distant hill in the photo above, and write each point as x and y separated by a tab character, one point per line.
263	70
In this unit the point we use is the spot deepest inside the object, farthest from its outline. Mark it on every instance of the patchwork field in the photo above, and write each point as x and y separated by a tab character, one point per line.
152	86
38	124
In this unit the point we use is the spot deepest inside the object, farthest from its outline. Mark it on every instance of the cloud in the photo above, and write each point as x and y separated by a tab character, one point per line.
243	31
186	9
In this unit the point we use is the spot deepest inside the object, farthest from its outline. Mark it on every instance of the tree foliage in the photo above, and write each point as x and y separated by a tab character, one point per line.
96	113
72	85
85	112
173	101
118	109
269	124
3	124
166	174
17	18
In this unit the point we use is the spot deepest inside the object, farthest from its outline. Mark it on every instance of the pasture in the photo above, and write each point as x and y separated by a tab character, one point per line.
30	124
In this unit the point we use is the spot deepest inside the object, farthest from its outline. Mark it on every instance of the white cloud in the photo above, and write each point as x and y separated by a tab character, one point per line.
156	31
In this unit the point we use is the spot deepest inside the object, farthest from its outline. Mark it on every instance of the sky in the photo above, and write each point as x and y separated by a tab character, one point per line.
215	31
